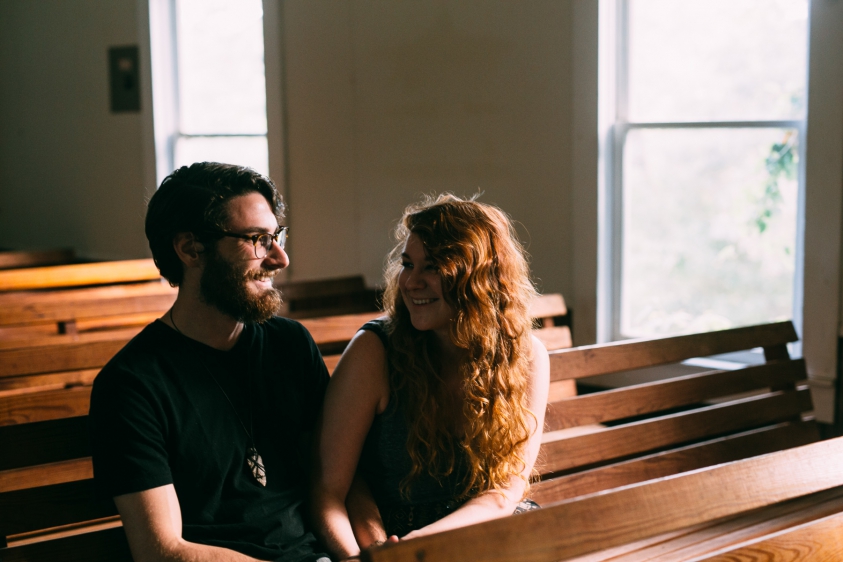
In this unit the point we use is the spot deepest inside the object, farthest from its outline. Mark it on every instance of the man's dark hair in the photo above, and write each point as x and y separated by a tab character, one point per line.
194	199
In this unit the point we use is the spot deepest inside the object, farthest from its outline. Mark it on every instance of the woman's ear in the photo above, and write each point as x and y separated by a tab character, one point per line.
188	248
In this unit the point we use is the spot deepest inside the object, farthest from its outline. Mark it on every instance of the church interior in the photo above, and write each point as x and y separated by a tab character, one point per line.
370	105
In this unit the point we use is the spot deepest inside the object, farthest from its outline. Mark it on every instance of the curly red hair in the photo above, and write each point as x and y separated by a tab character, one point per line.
485	280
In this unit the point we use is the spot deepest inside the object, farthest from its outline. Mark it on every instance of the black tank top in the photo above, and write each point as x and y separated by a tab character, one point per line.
384	462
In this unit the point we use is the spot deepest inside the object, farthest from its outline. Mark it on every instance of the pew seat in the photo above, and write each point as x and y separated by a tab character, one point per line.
612	440
785	505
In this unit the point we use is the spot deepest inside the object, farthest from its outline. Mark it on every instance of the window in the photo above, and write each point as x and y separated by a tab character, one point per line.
704	163
209	83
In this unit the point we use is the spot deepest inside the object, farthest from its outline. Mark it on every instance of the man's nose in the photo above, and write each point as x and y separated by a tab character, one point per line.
277	256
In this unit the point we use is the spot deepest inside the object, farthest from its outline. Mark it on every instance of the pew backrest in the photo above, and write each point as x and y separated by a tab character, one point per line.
20	259
59	515
618	436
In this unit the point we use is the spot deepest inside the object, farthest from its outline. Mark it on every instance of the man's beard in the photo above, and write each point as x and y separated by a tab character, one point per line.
224	286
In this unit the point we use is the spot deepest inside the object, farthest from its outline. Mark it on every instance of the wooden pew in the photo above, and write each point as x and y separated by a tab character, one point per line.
716	510
38	295
42	520
621	436
327	297
580	457
78	275
40	382
20	259
746	495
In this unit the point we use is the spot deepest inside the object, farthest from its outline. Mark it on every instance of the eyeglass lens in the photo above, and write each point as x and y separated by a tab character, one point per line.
264	243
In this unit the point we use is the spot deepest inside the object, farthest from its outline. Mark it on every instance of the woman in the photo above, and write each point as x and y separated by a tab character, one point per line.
439	406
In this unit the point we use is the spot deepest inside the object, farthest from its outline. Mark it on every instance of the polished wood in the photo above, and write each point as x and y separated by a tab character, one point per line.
97	273
45	405
814	540
663	395
96	305
10	260
545	308
108	545
673	461
71	356
554	337
601	521
46	474
672	430
633	354
713	539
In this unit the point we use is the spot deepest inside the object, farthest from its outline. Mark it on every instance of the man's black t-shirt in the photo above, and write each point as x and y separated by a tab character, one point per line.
159	417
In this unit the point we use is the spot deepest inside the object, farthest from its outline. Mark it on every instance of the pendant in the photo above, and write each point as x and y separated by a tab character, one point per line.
255	464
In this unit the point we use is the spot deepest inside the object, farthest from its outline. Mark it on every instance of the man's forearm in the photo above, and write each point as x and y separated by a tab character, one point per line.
184	551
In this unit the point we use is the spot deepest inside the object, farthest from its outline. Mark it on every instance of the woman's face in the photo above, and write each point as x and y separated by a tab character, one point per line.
421	289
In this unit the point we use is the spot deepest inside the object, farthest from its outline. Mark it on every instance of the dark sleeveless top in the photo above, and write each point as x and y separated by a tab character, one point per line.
384	462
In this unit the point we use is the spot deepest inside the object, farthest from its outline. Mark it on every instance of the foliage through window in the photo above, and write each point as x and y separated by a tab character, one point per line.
706	174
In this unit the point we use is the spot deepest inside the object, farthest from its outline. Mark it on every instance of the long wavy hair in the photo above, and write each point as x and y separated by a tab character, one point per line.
485	280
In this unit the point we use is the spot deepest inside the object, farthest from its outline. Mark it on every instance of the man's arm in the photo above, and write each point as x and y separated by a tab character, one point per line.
363	514
152	521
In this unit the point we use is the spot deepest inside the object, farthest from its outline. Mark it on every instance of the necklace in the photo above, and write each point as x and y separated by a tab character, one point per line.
254	462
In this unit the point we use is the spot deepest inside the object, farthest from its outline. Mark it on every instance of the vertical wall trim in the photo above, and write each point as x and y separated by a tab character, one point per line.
584	171
150	180
823	202
276	117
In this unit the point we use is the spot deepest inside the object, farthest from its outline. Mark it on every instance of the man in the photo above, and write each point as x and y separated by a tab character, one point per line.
199	424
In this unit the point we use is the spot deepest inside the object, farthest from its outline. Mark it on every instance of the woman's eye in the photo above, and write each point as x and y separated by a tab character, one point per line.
406	265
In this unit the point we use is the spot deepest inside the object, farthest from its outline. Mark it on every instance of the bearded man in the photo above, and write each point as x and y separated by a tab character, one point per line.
199	424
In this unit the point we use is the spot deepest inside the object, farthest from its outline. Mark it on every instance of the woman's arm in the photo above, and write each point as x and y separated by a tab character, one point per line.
500	503
359	389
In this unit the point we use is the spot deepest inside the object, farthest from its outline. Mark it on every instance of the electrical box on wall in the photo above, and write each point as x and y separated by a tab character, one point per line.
125	78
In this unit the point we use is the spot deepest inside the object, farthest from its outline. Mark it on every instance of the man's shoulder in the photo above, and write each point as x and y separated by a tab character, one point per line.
137	357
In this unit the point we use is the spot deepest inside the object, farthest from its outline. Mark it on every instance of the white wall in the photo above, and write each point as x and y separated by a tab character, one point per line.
70	171
388	100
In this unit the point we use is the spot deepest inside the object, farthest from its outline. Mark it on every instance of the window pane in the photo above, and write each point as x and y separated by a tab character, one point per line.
717	59
222	87
243	151
709	229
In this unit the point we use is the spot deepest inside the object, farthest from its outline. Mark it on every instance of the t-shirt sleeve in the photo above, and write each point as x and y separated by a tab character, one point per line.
128	435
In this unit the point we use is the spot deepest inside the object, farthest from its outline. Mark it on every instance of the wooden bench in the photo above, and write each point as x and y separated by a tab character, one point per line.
626	436
652	432
39	302
52	379
80	525
787	505
20	259
327	297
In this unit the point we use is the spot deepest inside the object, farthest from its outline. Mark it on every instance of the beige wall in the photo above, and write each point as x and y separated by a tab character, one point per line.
70	171
388	100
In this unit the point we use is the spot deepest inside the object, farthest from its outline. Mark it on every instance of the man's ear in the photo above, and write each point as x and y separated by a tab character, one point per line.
188	248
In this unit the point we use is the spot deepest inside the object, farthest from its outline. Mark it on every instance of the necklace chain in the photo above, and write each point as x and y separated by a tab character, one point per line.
253	459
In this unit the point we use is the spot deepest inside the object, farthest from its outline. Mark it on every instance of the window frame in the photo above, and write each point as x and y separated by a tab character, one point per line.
165	89
615	126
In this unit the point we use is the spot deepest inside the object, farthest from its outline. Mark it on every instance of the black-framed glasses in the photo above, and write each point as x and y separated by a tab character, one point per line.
261	242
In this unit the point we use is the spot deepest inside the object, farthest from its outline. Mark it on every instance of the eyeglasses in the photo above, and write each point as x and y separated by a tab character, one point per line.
261	242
